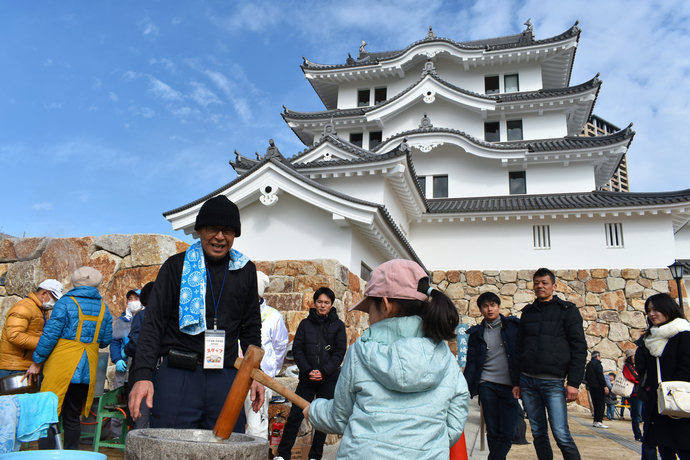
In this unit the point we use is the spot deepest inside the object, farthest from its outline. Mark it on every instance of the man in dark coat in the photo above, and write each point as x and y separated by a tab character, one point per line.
550	354
490	359
203	301
319	349
596	384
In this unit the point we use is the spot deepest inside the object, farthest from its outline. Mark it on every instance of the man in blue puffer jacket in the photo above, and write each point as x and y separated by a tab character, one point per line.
79	326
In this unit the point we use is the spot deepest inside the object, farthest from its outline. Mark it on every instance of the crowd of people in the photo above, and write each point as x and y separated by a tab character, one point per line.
398	392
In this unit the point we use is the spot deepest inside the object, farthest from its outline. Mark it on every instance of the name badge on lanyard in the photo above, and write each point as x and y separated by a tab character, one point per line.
214	349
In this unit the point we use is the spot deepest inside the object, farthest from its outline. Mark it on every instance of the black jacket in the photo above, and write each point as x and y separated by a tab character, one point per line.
595	374
320	345
551	340
239	315
476	351
661	430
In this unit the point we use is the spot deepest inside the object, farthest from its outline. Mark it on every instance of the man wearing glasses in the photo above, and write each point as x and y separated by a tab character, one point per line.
202	302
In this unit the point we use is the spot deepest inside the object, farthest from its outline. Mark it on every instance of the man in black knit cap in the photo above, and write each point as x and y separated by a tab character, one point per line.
203	301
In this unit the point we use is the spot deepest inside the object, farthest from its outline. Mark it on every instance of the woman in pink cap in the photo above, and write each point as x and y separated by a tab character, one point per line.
401	393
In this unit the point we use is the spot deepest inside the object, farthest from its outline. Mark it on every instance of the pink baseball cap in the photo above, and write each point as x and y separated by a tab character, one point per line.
395	279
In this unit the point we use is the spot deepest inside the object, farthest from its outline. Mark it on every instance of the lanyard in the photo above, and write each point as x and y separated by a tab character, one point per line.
216	303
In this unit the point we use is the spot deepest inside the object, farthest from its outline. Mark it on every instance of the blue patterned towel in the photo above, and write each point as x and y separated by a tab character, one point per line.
9	413
193	287
36	413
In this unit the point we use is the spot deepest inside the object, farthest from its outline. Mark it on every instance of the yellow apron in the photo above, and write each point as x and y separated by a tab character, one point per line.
63	361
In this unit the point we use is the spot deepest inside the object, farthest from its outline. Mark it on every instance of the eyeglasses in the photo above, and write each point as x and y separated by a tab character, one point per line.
213	231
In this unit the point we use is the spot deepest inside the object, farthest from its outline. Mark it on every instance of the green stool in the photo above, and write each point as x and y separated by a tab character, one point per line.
106	409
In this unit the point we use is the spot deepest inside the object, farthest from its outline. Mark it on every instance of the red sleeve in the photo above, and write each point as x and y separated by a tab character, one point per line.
630	374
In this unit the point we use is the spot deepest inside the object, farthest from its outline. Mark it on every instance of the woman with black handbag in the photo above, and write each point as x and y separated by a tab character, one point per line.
667	339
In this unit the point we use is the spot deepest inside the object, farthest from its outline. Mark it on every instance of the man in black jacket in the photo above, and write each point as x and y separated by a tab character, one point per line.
203	301
596	384
319	349
550	353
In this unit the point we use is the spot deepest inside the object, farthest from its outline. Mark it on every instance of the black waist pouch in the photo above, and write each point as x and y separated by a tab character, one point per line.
182	359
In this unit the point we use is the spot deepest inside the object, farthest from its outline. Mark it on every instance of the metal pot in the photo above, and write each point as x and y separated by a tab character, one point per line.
12	385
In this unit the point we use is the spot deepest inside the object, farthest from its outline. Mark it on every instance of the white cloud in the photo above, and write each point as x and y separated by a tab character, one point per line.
202	95
130	75
147	112
148	28
180	138
45	206
134	50
113	96
235	95
48	62
93	108
163	91
52	106
176	20
165	63
96	83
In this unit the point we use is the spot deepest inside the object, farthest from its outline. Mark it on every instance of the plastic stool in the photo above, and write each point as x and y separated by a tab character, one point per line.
106	409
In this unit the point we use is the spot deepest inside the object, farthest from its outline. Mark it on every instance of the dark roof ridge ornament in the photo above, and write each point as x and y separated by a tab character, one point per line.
272	150
404	146
362	51
429	68
329	130
426	122
350	60
628	130
527	35
431	34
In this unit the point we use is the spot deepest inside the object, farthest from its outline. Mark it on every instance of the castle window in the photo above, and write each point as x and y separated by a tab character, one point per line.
542	236
422	184
512	83
514	130
380	95
365	272
440	186
492	131
356	138
518	182
491	85
614	235
363	96
375	138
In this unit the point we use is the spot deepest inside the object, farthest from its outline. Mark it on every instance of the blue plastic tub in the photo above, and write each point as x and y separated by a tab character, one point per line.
53	455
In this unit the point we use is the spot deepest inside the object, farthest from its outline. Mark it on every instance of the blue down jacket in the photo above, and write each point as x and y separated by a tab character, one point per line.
399	395
63	324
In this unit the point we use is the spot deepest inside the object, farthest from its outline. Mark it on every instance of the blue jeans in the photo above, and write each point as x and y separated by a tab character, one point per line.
6	373
636	414
539	397
500	411
611	411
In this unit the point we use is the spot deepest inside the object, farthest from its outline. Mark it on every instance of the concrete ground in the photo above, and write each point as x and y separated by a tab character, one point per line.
594	443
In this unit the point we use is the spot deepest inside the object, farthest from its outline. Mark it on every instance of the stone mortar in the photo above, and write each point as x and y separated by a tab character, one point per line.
169	444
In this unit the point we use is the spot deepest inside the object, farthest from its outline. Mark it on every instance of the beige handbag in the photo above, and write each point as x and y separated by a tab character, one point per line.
673	398
622	386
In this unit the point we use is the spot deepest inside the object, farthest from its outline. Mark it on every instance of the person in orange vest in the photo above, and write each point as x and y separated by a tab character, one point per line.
68	352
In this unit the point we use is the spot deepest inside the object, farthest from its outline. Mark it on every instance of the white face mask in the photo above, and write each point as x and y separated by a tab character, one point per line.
134	307
49	305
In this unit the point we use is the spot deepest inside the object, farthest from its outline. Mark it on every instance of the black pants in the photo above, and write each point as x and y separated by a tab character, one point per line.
670	454
599	403
71	422
308	390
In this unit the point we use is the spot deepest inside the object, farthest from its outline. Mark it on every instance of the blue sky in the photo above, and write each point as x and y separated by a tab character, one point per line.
113	112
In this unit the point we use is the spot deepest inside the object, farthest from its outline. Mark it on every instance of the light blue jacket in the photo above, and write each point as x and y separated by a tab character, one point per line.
63	324
399	396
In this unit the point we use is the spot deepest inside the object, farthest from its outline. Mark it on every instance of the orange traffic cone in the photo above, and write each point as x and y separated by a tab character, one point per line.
459	450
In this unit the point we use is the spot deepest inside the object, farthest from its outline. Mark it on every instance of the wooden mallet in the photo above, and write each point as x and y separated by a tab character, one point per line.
248	371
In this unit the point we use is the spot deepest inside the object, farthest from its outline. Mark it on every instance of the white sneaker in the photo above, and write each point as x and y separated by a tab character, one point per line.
278	458
600	425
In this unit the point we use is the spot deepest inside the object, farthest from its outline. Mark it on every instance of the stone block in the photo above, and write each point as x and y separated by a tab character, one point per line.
644	282
490	280
437	276
599	273
475	278
508	289
648	293
293	318
635	319
609	316
443	285
526	275
4	268
280	285
665	274
563	288
566	275
650	273
608	349
123	281
508	276
582	399
588	313
473	309
609	365
353	282
455	291
630	273
523	297
637	304
596	285
636	334
506	302
673	289
613	301
618	332
626	345
285	302
63	256
660	286
151	249
583	275
453	276
7	252
491	272
520	306
598	329
471	291
488	288
30	248
107	264
181	246
313	283
592	299
5	305
576	299
264	266
23	277
615	273
633	290
462	306
116	243
286	267
578	286
592	341
615	284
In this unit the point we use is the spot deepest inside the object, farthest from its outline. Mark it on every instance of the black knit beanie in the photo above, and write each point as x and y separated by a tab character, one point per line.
219	212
